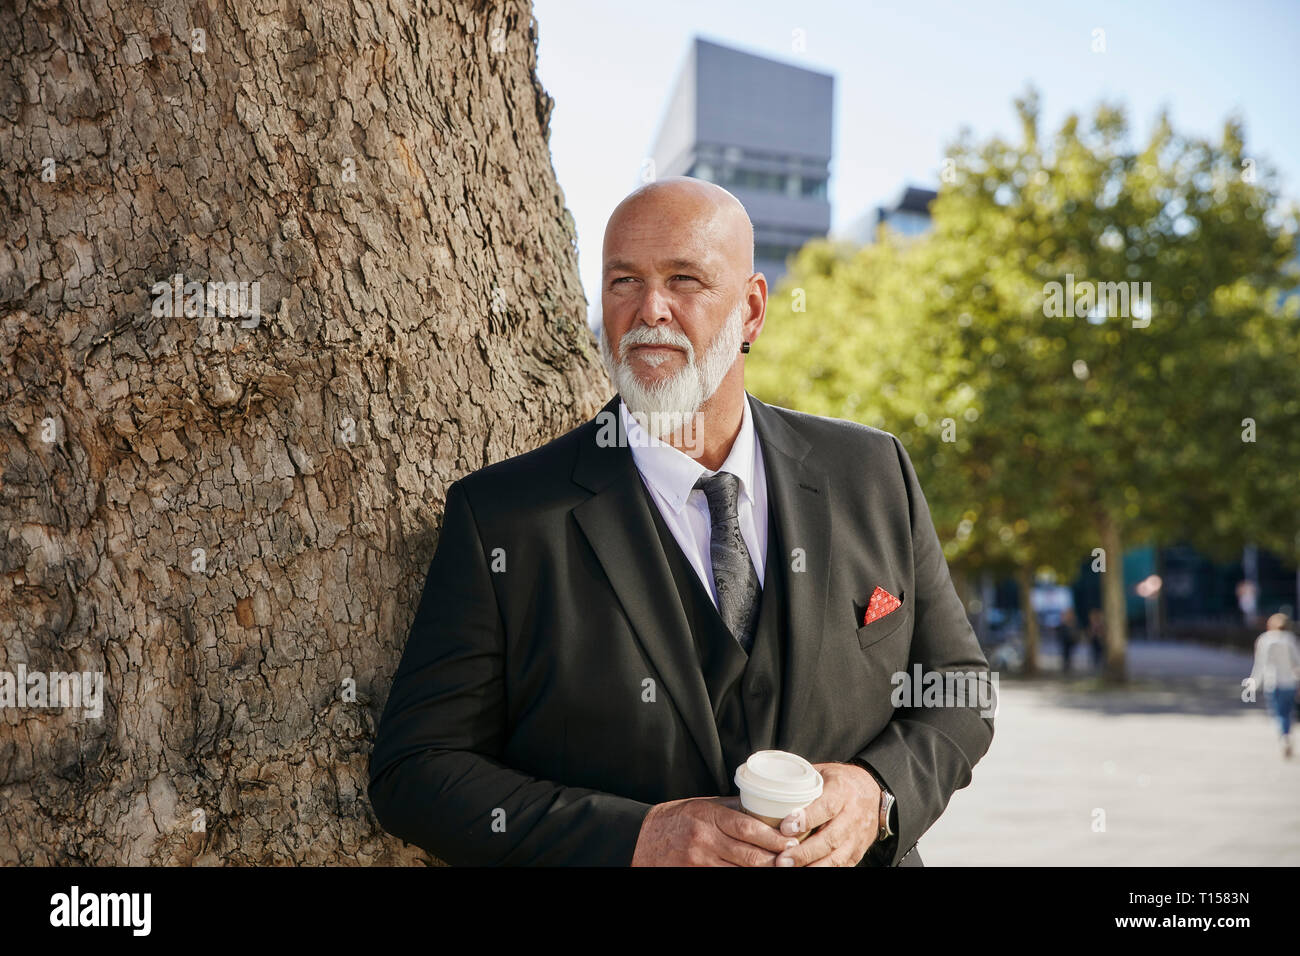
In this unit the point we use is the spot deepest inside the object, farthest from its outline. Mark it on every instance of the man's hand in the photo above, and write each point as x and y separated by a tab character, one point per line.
845	819
706	831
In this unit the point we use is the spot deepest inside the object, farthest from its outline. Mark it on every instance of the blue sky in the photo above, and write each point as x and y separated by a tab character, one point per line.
909	76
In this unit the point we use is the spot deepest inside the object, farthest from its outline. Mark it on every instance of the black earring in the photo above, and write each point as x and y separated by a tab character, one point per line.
744	346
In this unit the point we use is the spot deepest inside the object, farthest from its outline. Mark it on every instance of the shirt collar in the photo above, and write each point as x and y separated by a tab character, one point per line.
673	473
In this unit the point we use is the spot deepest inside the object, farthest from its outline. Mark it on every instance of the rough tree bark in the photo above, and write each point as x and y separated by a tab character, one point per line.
231	517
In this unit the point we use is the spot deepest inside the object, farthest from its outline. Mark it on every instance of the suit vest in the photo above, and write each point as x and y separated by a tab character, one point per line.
744	689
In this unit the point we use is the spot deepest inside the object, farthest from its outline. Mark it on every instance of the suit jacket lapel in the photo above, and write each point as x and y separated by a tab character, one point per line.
800	504
618	526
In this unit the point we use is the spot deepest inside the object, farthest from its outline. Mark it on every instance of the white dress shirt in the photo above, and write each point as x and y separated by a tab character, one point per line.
670	476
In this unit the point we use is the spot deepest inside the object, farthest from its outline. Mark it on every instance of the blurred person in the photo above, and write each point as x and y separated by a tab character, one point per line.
1248	602
1277	673
1097	637
1068	633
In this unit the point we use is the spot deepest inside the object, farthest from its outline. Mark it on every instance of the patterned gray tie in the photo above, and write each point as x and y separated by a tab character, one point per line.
733	571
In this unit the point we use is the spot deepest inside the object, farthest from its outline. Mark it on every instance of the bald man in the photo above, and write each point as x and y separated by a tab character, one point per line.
614	622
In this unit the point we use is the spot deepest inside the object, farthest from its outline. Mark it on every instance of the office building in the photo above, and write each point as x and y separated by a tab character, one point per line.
908	217
762	130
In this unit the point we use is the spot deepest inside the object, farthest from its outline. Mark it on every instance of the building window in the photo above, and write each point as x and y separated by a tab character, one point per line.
775	253
814	189
730	177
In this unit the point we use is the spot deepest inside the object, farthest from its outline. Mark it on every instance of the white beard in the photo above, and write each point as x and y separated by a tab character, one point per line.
670	405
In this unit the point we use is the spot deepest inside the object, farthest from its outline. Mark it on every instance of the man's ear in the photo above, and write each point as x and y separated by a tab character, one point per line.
757	300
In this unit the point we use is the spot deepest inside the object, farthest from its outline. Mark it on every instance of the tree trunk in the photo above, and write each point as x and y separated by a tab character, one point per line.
1162	596
1114	607
1024	584
229	514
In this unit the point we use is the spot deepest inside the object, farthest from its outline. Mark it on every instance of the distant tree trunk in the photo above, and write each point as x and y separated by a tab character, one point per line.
1024	584
229	514
1114	606
1162	596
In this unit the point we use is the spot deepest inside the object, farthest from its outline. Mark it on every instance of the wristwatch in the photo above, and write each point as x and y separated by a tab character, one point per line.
887	811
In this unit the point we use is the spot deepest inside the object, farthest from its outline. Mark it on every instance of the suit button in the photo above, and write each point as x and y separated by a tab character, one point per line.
759	687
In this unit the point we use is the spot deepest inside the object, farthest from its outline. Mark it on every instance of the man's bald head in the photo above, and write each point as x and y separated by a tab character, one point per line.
702	207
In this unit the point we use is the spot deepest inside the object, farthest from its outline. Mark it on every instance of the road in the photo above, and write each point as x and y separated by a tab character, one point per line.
1177	771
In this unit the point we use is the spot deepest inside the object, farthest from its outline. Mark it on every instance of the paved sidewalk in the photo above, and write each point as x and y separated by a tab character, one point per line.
1185	773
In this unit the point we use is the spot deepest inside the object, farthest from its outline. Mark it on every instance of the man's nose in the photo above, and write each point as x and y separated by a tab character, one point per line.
653	308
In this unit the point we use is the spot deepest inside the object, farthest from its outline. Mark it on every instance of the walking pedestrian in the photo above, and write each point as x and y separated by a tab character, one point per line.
1097	637
1068	632
1277	672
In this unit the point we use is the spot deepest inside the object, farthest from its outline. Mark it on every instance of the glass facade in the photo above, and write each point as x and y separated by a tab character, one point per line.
795	185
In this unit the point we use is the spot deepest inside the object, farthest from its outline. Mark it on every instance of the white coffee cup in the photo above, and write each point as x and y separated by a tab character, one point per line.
773	784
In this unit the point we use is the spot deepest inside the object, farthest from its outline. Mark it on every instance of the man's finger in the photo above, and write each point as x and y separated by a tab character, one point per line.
811	816
821	844
740	853
739	825
816	847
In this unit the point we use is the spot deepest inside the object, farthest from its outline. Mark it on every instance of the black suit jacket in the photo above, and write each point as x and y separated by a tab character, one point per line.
549	692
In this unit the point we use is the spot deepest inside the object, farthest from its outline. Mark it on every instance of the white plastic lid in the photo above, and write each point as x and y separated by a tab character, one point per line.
781	776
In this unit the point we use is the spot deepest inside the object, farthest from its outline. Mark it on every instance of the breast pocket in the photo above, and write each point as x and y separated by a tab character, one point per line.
883	627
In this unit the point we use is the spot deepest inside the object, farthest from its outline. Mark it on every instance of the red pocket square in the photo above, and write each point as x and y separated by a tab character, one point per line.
881	603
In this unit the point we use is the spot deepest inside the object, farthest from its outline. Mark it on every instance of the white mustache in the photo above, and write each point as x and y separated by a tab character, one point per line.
655	335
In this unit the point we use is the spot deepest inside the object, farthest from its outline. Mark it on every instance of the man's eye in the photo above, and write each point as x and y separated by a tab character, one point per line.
690	278
621	279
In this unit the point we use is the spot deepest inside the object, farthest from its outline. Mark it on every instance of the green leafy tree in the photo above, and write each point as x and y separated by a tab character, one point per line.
1091	348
